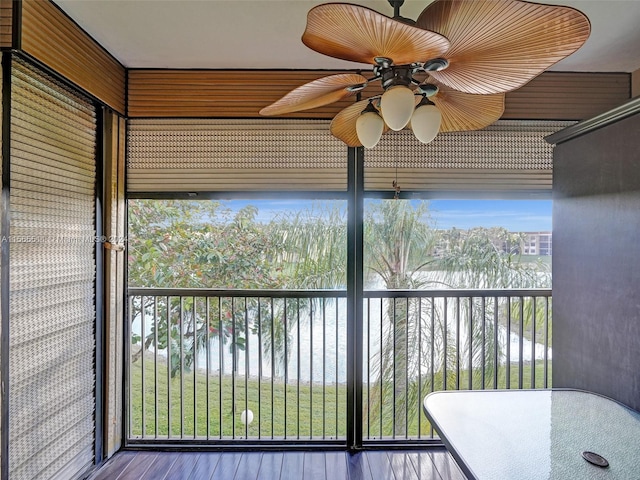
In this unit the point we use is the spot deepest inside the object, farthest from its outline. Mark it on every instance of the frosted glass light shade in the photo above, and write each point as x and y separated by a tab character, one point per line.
369	127
397	105
425	122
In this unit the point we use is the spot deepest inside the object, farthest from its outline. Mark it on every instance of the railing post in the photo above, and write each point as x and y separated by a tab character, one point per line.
355	287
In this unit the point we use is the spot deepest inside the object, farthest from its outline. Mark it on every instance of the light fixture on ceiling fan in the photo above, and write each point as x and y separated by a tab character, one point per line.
448	71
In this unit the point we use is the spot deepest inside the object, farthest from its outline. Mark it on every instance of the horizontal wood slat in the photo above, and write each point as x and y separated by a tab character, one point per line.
54	39
6	23
568	96
242	93
219	93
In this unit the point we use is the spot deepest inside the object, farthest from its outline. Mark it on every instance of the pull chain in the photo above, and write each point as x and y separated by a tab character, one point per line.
395	185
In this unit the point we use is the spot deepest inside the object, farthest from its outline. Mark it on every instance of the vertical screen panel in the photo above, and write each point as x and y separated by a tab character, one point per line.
52	289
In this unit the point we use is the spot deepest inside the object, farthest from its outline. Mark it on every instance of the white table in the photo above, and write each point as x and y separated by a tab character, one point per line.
536	434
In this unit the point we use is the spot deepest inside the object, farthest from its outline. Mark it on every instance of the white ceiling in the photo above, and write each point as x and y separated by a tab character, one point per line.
266	33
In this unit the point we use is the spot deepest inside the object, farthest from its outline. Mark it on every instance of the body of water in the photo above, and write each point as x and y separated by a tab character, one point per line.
322	340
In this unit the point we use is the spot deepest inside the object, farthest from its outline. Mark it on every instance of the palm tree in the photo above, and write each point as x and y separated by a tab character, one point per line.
309	249
398	244
404	250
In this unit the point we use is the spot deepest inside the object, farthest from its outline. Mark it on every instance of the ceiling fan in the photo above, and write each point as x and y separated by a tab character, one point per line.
448	71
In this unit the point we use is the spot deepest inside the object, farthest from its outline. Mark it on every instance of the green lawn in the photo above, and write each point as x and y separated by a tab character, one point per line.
189	419
298	422
377	406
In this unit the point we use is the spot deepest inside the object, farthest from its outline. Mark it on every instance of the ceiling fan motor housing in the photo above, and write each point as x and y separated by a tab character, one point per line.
396	75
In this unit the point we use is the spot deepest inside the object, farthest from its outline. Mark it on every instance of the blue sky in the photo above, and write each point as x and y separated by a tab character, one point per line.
514	215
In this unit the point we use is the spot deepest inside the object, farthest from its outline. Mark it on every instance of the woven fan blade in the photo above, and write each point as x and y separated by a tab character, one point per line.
315	94
464	111
499	45
358	34
343	125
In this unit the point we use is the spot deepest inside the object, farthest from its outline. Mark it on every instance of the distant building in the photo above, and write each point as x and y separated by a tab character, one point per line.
523	243
536	243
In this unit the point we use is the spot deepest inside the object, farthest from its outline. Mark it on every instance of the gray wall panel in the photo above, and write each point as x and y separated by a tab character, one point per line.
596	264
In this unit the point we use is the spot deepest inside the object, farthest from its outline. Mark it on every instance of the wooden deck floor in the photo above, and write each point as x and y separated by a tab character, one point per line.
317	465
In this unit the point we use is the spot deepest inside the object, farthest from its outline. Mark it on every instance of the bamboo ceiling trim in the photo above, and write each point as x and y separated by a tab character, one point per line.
215	93
6	18
568	96
243	93
58	42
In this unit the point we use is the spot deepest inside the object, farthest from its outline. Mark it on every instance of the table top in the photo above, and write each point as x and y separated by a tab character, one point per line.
536	434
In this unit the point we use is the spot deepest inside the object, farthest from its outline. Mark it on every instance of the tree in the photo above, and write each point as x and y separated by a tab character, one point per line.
198	244
202	244
309	249
195	244
404	250
398	245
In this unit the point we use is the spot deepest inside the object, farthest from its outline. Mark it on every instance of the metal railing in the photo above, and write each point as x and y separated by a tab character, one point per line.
417	342
237	365
270	366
